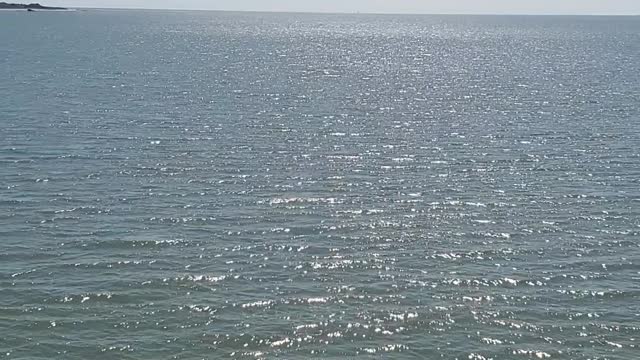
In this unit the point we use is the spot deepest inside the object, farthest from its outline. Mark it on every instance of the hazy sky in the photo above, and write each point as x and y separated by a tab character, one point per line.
380	6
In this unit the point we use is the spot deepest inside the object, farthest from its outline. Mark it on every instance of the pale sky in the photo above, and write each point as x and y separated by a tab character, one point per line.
379	6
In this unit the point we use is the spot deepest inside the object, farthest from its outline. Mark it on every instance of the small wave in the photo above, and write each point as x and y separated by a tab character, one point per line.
385	349
257	304
87	297
199	278
294	200
532	353
125	244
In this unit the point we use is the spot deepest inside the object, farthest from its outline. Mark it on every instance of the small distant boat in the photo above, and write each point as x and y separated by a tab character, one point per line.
30	9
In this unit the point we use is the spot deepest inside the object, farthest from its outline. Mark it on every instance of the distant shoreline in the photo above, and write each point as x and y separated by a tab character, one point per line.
28	7
38	10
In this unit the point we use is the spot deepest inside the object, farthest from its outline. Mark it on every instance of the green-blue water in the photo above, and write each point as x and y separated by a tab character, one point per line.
183	185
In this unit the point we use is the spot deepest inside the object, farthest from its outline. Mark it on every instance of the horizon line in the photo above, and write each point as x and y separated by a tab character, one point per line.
353	12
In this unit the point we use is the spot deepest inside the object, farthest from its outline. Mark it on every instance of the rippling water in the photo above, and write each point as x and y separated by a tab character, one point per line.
217	185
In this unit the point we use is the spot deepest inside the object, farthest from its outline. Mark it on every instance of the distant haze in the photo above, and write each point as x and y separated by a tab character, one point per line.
379	6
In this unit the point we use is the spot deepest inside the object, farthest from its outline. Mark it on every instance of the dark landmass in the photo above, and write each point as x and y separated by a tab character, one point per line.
34	6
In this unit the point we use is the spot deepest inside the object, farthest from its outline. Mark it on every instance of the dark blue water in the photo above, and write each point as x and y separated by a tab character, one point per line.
183	185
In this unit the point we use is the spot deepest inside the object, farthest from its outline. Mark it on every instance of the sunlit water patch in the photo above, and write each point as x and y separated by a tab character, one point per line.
247	186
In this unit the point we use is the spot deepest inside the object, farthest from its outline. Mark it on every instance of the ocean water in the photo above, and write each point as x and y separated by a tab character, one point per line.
203	185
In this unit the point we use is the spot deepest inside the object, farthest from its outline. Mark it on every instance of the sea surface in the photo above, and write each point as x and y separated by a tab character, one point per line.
208	185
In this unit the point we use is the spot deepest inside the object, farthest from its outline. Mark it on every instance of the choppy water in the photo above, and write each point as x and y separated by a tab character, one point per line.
217	185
